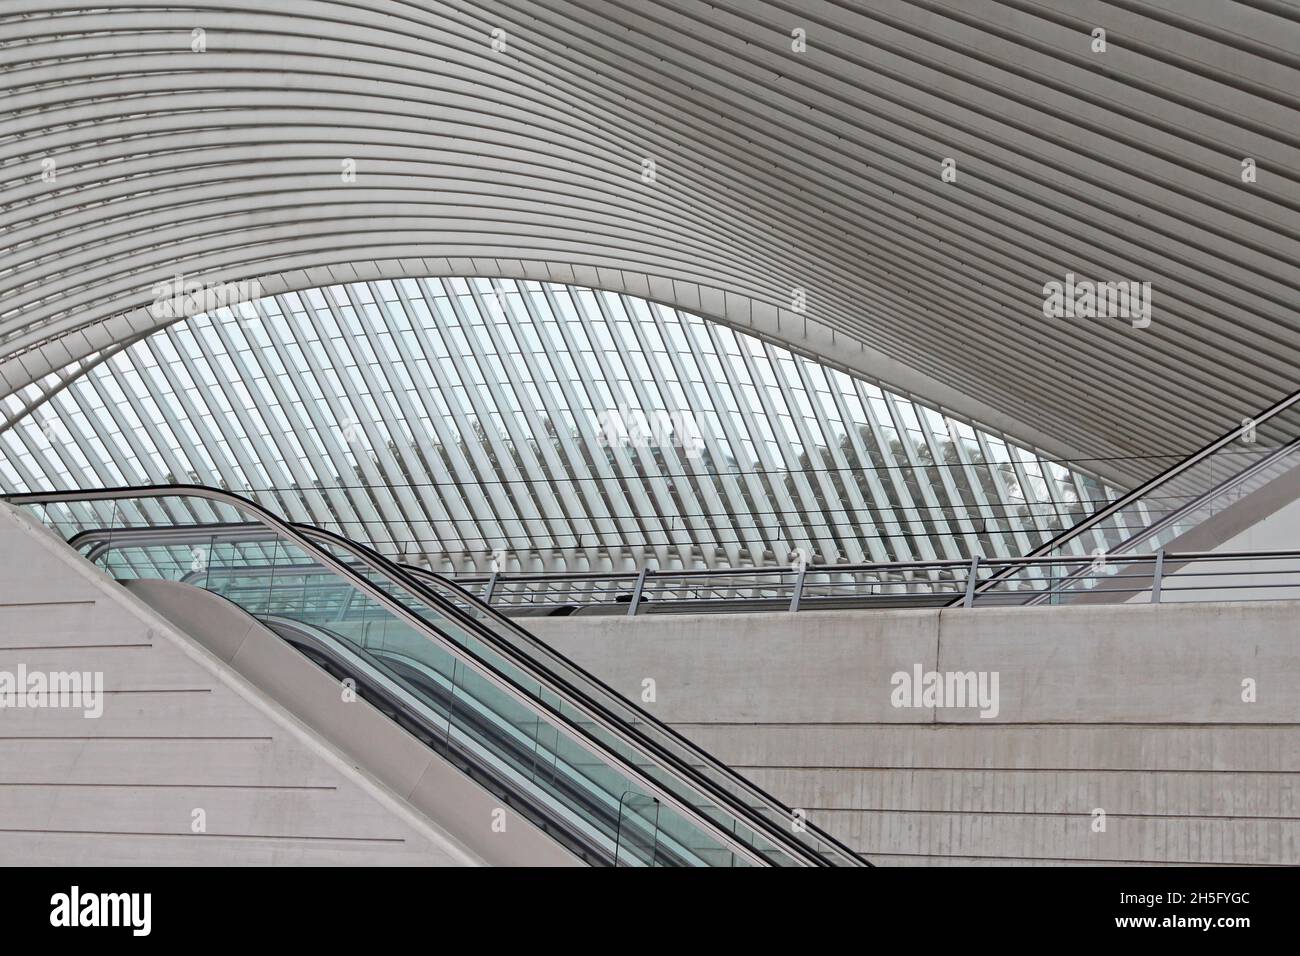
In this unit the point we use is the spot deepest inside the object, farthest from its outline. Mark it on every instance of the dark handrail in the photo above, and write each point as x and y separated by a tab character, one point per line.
1147	487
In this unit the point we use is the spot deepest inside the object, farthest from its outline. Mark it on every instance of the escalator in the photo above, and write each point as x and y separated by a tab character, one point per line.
1195	505
404	689
596	773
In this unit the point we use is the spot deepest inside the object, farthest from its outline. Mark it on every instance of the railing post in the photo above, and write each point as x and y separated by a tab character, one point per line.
798	587
490	589
971	575
1054	596
636	592
1158	576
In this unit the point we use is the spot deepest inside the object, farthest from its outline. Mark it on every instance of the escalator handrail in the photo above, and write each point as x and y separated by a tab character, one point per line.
411	577
627	734
1141	491
329	645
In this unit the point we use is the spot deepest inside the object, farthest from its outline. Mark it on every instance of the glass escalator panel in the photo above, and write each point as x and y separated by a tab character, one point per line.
455	626
416	593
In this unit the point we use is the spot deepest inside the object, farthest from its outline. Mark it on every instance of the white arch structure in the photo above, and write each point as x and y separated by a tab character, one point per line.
473	425
218	138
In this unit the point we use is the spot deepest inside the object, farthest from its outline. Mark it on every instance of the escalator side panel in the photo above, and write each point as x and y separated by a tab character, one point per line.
391	755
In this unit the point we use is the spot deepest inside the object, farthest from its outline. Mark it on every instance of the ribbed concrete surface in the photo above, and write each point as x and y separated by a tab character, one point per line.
1133	710
775	170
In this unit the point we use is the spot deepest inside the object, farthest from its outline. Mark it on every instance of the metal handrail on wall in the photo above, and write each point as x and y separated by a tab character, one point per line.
1024	581
1018	582
1248	428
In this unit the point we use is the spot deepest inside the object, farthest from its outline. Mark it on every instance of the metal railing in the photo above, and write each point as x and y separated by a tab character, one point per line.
1003	582
1163	577
1233	466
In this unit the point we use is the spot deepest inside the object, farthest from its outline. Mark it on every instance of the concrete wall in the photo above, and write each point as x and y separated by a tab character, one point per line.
1134	710
180	730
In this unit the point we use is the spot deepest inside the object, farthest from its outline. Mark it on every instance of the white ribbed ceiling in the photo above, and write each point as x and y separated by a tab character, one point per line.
775	170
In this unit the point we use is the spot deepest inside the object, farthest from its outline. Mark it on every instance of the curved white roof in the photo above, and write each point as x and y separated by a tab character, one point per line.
220	140
492	424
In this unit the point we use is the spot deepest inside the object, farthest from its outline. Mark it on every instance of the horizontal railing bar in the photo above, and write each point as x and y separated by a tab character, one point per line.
1233	587
1231	574
1028	577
